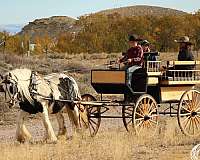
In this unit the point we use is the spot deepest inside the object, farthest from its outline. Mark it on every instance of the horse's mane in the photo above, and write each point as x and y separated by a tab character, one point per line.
22	77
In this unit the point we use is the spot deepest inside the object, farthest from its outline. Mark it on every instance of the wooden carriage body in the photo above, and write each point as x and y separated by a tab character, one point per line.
169	86
164	88
116	82
109	81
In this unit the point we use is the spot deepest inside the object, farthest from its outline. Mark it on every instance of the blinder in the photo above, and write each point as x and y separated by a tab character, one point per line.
10	89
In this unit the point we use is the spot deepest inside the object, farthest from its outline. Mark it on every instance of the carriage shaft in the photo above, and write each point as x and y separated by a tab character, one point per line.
94	103
107	116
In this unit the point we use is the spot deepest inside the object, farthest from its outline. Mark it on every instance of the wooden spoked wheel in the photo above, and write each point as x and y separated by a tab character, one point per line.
93	114
189	113
145	116
127	114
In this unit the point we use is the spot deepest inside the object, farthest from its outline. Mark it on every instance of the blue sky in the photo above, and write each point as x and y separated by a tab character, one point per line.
24	11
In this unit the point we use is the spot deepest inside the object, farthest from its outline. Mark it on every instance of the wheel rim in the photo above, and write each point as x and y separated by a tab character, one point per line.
145	116
189	113
127	112
93	114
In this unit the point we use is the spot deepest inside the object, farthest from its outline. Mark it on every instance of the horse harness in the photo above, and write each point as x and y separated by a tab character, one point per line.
33	91
15	96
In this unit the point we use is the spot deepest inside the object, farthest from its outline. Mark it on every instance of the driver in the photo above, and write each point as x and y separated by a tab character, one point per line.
133	58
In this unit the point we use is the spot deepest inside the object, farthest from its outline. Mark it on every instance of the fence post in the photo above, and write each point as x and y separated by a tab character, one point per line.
4	43
28	48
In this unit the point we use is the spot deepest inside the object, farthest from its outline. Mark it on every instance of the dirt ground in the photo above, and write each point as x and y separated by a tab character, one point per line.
111	142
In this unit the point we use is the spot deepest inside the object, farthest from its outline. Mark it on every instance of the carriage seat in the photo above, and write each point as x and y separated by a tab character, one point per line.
151	56
183	65
152	65
181	72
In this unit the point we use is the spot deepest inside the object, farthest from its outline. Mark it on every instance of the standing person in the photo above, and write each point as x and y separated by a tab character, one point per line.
133	57
185	52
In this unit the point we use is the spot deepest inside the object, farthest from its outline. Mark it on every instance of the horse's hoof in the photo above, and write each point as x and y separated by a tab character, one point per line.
60	134
51	141
17	142
20	140
69	138
60	137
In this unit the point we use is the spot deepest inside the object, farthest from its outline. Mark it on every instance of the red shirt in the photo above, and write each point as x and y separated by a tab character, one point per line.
135	54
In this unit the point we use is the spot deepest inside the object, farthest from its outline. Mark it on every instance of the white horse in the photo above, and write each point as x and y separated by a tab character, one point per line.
38	94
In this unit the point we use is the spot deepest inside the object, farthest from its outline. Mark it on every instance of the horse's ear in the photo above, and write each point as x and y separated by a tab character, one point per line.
1	85
1	76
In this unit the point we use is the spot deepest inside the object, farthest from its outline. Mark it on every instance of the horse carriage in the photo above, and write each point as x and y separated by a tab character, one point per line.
141	101
153	92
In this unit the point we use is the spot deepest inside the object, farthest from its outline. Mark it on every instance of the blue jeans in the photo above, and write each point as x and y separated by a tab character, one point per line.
130	71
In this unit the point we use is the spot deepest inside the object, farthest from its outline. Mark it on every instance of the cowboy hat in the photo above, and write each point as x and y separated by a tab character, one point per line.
133	38
145	43
184	39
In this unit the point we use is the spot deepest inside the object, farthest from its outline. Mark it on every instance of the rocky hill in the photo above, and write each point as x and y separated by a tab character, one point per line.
140	10
56	24
51	26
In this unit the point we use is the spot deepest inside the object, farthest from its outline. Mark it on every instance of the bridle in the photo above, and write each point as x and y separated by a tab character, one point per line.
11	90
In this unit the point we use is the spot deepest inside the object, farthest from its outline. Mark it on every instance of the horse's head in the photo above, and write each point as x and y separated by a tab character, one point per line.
8	85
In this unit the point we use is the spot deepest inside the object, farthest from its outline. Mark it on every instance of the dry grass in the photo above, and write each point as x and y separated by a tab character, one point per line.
112	141
106	145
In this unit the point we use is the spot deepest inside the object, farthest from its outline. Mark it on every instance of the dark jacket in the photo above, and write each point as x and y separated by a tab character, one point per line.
134	53
185	55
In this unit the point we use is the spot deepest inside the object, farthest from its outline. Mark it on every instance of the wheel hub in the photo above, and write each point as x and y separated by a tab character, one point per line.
193	114
146	117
